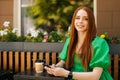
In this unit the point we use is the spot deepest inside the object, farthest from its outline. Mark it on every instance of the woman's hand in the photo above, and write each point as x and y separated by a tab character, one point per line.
56	71
60	72
48	70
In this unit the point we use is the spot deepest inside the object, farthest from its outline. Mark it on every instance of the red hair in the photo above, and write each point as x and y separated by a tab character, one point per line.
86	47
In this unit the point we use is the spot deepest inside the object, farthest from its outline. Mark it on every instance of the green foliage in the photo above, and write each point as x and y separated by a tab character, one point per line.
39	38
59	10
41	12
54	37
112	40
21	38
10	37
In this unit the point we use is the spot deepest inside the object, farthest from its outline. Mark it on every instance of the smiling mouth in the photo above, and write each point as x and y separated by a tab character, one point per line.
80	26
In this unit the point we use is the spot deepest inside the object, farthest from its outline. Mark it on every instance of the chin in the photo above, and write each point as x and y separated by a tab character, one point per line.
81	30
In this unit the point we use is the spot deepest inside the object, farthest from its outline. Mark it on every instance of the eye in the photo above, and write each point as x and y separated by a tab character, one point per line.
85	18
77	17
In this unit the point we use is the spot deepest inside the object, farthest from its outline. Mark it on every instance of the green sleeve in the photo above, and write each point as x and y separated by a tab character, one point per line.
100	56
63	54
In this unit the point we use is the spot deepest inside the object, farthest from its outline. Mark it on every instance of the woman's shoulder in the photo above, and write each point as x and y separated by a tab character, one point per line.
98	40
67	40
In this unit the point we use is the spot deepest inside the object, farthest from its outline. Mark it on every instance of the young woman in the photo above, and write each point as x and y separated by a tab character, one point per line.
86	55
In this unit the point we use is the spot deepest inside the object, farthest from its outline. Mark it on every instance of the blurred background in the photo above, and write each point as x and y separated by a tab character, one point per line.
55	15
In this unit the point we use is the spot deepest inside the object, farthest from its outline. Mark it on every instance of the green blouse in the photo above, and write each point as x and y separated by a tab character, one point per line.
100	58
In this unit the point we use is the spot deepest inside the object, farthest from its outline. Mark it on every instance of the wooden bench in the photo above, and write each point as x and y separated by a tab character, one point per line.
23	61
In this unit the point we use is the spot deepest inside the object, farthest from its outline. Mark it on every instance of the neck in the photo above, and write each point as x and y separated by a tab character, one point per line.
81	36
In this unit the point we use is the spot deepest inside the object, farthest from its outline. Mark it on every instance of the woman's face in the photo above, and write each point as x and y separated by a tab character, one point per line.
81	21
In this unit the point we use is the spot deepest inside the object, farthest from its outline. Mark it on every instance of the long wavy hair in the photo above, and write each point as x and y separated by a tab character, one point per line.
86	49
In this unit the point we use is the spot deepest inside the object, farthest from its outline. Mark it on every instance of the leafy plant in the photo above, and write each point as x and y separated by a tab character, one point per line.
112	40
38	38
60	11
7	33
54	37
10	37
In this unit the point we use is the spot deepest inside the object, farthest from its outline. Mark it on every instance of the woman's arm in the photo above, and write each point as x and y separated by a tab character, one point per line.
94	75
60	64
58	70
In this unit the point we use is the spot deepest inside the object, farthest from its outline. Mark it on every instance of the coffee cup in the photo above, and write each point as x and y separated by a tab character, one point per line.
39	66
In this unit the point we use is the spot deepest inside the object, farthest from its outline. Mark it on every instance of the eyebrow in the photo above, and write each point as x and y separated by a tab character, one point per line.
79	16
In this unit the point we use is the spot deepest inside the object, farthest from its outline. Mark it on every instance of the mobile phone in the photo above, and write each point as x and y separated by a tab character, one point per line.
47	65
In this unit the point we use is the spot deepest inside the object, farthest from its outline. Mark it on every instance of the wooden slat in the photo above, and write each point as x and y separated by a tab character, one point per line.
4	60
34	58
17	61
47	58
54	58
22	61
116	57
28	60
41	55
11	60
109	69
58	57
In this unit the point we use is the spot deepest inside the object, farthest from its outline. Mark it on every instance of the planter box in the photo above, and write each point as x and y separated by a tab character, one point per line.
114	48
31	46
46	47
11	46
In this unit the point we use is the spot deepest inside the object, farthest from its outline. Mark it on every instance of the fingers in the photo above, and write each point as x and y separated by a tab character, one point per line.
53	66
49	70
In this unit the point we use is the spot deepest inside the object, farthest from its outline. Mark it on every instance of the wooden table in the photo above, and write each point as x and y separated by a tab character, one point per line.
32	75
